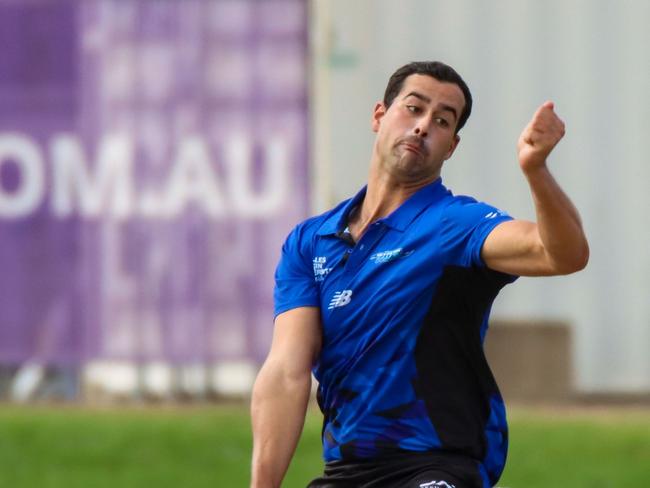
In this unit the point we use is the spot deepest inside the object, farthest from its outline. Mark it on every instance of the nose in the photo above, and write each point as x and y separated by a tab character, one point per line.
421	130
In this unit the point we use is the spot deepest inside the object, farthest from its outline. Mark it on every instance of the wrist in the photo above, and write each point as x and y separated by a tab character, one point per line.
262	482
263	475
535	169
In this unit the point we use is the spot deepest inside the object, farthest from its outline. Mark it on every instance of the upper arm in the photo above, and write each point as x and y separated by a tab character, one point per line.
297	327
297	340
295	285
515	247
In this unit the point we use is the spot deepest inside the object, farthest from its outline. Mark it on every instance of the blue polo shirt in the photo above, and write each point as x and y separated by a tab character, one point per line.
404	312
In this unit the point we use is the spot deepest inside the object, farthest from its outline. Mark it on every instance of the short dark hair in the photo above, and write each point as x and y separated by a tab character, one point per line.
435	69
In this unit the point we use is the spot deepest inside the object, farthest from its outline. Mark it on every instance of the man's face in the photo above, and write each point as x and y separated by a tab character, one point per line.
416	134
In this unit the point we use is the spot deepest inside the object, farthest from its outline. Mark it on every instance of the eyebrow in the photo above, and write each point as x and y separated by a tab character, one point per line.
426	99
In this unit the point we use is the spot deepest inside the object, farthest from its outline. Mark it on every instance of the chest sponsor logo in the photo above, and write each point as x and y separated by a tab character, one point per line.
340	299
320	268
386	256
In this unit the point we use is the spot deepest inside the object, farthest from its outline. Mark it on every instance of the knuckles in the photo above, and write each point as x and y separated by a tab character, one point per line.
542	133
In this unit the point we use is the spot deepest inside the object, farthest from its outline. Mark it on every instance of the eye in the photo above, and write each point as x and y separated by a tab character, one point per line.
442	122
413	109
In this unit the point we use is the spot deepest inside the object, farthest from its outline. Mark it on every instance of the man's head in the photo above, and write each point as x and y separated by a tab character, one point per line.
437	70
417	124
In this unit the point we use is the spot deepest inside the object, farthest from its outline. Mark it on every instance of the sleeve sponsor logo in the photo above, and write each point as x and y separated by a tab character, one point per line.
497	213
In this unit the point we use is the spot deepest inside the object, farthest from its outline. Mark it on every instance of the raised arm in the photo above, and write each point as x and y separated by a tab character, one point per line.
281	393
556	243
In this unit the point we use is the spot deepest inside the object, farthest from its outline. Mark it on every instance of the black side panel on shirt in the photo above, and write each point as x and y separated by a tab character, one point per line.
454	378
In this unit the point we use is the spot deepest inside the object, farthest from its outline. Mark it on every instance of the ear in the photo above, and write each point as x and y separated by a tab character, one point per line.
452	148
377	114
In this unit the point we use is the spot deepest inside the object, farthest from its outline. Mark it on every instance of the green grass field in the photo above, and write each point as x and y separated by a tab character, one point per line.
210	447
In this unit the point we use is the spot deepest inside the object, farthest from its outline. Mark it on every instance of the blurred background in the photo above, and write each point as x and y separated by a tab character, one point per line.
154	155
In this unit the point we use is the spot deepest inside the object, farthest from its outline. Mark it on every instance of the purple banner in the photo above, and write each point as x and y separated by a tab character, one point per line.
153	156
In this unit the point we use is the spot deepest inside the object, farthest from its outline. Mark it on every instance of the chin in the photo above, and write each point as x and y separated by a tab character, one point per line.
413	168
409	175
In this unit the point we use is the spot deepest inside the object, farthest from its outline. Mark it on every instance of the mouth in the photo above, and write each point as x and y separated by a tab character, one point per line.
413	148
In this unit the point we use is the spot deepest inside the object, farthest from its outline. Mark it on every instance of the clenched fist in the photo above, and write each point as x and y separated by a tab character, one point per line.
539	137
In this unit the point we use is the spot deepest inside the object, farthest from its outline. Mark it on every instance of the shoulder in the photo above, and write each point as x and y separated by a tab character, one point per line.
465	209
465	224
305	231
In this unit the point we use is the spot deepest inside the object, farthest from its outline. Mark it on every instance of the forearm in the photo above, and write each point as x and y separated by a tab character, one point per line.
278	411
558	222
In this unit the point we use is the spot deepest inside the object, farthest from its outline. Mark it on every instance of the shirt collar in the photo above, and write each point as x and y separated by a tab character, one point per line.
338	221
399	219
403	215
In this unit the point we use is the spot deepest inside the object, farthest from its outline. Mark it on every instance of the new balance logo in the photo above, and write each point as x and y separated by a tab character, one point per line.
439	484
340	299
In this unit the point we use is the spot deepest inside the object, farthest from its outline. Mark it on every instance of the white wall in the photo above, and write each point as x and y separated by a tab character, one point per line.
589	56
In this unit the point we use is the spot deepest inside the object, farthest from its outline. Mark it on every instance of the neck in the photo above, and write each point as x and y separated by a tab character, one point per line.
383	196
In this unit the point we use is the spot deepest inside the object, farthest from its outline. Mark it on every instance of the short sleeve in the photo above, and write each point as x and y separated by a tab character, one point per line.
467	224
294	276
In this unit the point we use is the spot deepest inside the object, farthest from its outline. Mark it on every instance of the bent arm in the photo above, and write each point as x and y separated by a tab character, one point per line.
281	393
556	244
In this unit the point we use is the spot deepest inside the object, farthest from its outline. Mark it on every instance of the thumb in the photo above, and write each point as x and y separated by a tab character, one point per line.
542	108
